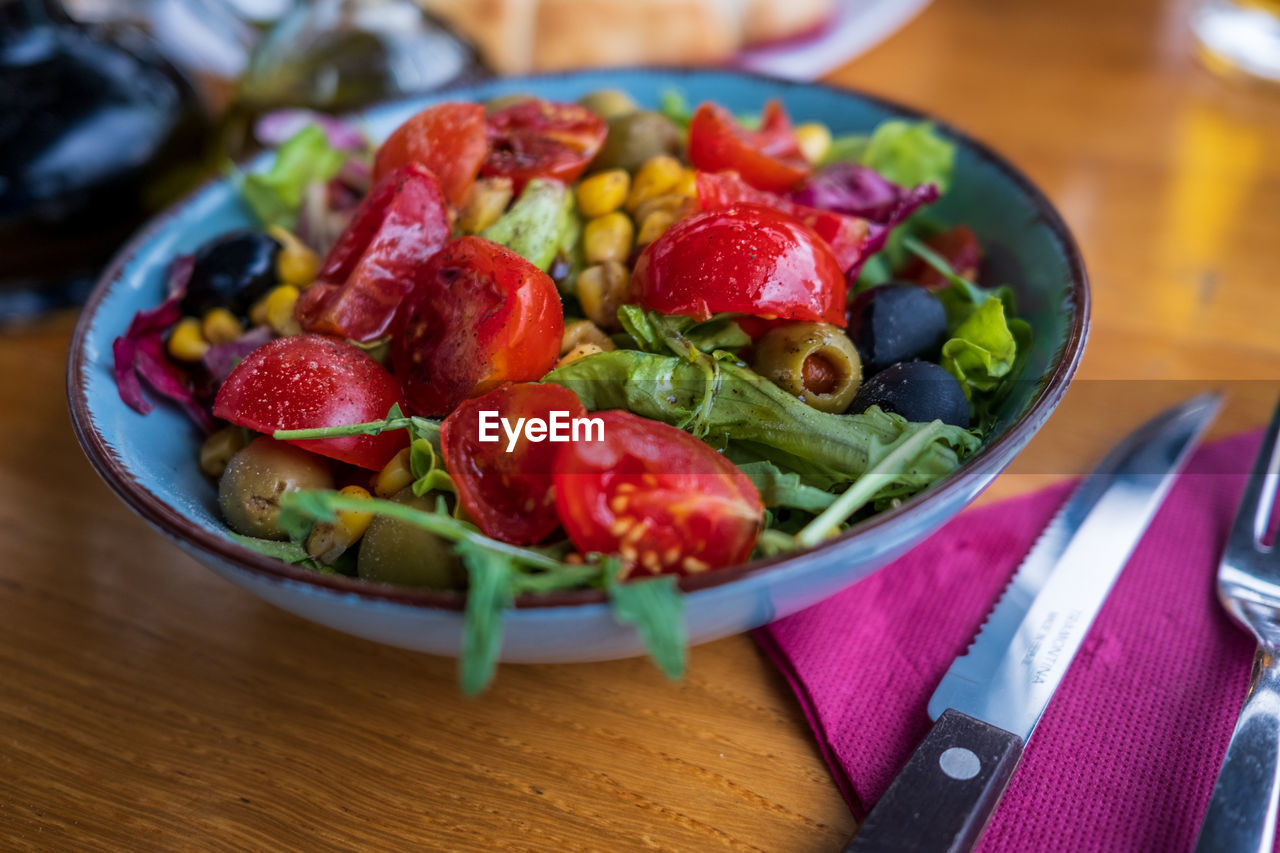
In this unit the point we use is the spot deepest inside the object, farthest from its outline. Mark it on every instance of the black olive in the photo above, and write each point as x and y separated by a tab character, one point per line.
920	391
896	322
233	272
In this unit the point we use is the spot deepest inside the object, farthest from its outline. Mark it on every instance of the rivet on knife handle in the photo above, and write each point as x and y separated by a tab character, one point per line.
943	798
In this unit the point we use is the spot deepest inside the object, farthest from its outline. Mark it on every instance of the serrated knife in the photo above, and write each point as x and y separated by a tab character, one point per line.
988	703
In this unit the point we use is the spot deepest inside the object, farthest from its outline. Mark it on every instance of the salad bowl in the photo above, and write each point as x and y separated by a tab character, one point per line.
149	461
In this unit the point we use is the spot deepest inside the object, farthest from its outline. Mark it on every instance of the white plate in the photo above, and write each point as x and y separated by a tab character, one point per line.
856	27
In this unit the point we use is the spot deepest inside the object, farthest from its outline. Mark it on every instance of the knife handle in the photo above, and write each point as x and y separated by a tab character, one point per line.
943	798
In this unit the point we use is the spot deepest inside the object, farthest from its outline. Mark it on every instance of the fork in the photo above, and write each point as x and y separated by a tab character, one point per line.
1242	810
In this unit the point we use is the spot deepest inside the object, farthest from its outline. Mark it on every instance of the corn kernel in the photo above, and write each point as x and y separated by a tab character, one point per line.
218	448
220	326
687	186
485	203
814	140
329	539
657	176
280	304
580	351
296	264
394	476
607	238
653	226
604	192
676	205
186	342
601	289
584	332
258	312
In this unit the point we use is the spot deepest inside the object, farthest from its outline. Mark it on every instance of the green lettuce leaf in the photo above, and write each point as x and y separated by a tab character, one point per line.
722	401
779	488
908	153
275	195
982	349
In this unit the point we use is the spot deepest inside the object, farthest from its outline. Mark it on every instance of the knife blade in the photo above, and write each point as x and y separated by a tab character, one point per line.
988	703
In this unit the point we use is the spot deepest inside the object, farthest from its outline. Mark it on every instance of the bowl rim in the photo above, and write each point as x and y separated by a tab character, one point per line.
987	461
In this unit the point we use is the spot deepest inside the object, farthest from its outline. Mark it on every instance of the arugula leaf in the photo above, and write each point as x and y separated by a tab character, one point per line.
895	458
489	593
395	419
656	609
498	571
535	227
285	552
971	291
784	488
908	153
275	195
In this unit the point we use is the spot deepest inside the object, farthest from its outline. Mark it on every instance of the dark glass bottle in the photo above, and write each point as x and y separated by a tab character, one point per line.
95	134
338	55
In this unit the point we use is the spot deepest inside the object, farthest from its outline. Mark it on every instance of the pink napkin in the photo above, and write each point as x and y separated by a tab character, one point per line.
1126	754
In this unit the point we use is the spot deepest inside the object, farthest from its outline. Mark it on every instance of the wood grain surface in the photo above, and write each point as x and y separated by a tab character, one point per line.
147	705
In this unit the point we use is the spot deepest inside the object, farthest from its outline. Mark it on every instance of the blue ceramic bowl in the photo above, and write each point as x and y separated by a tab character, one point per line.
151	461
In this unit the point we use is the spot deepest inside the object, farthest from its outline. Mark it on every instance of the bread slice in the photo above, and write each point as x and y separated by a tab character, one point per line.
575	33
516	36
771	20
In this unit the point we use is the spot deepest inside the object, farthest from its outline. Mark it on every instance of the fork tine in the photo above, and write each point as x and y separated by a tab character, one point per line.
1250	524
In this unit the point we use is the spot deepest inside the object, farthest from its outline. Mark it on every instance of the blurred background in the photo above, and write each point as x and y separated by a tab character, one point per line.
111	109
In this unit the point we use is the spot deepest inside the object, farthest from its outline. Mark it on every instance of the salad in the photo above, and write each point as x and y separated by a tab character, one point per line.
527	346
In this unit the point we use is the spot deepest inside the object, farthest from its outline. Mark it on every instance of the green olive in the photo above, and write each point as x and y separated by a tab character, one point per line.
501	102
257	475
636	137
814	361
608	103
394	551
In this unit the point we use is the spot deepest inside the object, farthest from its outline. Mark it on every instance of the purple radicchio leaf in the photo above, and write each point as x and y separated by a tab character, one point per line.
221	359
139	353
277	127
860	191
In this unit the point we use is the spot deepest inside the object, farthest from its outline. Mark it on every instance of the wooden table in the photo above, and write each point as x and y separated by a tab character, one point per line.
146	704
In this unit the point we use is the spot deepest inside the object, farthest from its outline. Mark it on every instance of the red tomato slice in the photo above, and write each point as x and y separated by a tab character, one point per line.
308	381
542	139
507	493
748	259
401	223
478	315
656	496
846	235
958	246
768	158
449	139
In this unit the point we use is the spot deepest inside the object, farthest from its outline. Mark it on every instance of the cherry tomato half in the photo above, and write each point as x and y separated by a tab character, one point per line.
478	315
747	259
542	139
449	139
507	492
308	381
846	235
958	246
768	158
656	496
401	223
